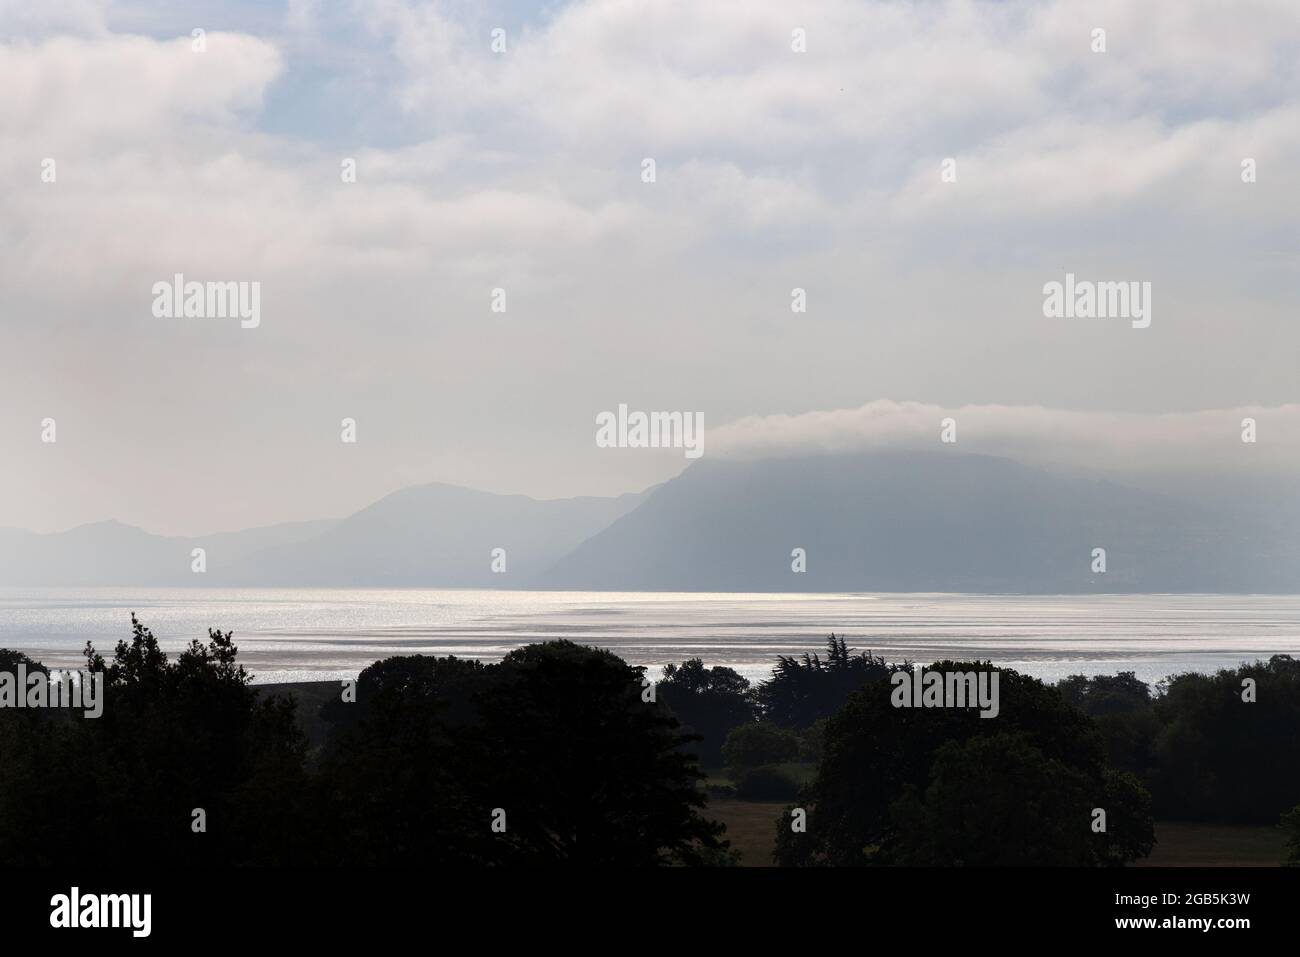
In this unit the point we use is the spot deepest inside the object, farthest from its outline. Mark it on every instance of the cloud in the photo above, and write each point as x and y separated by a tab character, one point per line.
608	74
21	18
67	89
776	170
1070	166
1204	441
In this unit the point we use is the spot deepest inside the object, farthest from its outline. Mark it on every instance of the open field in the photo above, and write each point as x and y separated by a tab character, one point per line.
1180	844
751	829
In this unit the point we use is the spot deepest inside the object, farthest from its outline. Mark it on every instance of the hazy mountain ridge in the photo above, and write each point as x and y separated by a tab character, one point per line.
113	553
870	521
439	536
428	535
926	521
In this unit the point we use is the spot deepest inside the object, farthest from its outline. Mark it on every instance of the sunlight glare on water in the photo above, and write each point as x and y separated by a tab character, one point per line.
306	634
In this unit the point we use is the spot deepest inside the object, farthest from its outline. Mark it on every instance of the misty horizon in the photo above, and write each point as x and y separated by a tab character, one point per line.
1179	452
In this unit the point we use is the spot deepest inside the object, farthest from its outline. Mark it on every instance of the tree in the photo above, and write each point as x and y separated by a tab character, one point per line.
399	767
801	691
707	701
998	801
555	743
1106	694
812	741
1219	757
1130	833
1124	710
32	749
758	743
172	737
891	775
556	736
994	801
769	782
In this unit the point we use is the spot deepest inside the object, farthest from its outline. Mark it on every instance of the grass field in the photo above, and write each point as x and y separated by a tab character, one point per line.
1215	845
751	828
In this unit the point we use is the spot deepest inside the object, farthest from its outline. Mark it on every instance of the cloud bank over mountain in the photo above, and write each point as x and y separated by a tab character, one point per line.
825	504
1208	441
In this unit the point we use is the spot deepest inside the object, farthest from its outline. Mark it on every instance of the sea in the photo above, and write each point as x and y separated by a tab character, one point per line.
305	634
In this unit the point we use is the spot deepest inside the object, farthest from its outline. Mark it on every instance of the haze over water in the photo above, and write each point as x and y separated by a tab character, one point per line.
312	634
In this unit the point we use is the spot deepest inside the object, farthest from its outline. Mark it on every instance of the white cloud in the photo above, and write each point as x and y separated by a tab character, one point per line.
66	89
1203	441
1108	168
22	18
608	74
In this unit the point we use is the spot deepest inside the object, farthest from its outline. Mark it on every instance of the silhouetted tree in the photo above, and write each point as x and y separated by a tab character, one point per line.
998	801
556	736
1105	694
758	743
399	767
768	782
173	736
917	785
33	750
1218	757
708	701
1124	709
801	691
994	800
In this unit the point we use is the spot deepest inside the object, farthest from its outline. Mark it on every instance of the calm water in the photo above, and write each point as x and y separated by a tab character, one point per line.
303	634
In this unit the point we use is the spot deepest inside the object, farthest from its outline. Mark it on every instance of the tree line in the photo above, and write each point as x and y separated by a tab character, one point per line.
565	755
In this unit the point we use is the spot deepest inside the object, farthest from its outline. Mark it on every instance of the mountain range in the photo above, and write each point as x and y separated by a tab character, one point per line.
877	521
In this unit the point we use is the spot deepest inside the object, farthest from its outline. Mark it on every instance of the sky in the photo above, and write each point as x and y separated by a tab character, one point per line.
821	169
